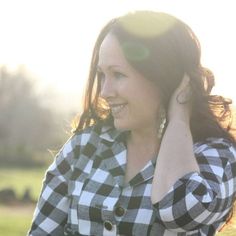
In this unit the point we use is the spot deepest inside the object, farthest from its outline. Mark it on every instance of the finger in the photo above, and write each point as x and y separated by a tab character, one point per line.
184	90
185	82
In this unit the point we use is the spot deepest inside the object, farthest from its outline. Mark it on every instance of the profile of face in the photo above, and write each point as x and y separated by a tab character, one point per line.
133	99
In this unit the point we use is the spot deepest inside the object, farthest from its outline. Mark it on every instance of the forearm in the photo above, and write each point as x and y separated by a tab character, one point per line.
175	159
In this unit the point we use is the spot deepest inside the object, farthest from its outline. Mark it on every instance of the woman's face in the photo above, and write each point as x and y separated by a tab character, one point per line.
134	100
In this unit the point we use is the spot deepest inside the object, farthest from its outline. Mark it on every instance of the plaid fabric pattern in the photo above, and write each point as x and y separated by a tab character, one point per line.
83	191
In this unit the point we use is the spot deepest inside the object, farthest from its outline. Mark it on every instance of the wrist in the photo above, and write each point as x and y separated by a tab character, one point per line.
180	119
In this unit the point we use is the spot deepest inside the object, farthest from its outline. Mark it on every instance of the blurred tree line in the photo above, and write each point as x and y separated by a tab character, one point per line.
28	127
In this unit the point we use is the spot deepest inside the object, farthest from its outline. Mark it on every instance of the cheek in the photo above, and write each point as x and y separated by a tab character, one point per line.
151	98
146	107
142	94
151	103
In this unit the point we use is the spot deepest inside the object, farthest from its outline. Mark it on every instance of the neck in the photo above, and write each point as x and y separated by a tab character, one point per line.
144	135
144	141
142	146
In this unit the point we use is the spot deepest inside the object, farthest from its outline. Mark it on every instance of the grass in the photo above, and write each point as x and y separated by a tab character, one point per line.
15	220
20	179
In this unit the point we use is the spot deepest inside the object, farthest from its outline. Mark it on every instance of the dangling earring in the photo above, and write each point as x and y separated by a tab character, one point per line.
162	121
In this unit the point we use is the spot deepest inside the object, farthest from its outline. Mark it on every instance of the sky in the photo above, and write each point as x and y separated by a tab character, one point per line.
53	39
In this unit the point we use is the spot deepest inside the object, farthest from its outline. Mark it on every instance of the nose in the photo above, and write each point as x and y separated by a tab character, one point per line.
108	88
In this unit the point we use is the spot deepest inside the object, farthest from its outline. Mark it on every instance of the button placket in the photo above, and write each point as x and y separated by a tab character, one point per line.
109	222
119	211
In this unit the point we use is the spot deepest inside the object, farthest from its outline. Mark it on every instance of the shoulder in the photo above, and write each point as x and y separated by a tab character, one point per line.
81	138
91	136
216	147
215	142
216	155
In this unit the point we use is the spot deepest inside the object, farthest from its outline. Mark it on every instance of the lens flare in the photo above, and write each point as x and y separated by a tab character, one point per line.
146	27
135	51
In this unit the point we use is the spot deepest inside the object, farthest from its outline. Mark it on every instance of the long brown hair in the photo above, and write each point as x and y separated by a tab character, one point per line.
163	49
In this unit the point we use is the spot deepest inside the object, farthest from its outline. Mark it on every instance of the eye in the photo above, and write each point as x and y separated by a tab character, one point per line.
119	75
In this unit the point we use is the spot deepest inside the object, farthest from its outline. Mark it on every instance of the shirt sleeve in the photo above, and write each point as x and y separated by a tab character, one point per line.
51	211
205	198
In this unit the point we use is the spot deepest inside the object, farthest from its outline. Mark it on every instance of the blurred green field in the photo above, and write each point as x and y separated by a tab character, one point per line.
20	179
15	220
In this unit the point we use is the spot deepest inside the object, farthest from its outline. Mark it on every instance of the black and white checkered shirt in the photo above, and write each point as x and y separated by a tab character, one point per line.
83	191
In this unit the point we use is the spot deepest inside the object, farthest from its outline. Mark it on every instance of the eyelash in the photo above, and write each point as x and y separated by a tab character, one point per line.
116	74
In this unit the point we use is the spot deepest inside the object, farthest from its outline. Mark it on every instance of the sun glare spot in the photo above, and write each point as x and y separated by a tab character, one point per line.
148	27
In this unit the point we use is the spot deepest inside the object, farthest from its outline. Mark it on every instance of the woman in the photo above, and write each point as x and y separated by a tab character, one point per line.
151	154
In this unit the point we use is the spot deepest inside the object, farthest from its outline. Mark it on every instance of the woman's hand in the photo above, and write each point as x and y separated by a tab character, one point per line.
180	102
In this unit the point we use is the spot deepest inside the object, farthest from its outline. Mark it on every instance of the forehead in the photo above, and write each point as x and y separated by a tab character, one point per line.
111	52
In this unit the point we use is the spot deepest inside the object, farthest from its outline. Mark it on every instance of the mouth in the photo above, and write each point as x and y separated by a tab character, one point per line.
117	108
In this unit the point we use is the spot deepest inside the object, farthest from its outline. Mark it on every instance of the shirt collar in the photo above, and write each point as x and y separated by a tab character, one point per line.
111	134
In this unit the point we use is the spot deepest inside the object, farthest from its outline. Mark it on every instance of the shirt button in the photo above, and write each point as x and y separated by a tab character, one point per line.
119	211
68	231
108	225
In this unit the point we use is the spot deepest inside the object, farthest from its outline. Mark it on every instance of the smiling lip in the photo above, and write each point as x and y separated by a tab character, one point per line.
117	108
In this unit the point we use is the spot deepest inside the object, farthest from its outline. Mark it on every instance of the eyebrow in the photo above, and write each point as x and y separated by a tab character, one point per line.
109	67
